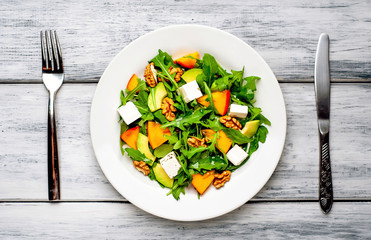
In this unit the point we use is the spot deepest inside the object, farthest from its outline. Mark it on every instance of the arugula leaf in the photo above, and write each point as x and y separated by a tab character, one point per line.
254	145
122	98
262	134
220	84
201	79
238	101
251	82
263	119
142	105
213	123
145	117
130	94
254	112
210	98
180	103
222	72
163	150
209	163
210	68
237	78
236	136
137	155
180	182
213	142
163	60
160	117
172	139
189	154
189	119
245	93
178	145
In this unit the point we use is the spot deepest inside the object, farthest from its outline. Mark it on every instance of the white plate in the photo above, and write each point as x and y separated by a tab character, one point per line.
231	53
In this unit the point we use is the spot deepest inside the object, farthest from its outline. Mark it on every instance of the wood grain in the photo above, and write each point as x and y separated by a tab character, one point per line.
23	144
125	221
285	33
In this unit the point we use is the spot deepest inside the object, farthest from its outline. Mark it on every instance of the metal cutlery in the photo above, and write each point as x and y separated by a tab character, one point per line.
322	90
52	75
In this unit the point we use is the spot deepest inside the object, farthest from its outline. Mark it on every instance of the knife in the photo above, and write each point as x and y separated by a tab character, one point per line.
322	90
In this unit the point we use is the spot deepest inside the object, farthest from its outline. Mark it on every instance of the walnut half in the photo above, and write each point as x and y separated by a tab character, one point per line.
230	122
178	71
168	108
196	142
150	74
142	167
221	178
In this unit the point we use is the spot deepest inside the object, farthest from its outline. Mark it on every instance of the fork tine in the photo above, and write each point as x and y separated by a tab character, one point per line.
59	51
54	53
50	62
44	53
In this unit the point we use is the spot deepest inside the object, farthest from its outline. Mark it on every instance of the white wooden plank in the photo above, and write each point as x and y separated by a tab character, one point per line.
285	33
125	221
23	173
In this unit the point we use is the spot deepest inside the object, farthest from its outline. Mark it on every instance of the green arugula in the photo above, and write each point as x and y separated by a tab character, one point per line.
164	61
189	119
130	94
221	84
209	163
209	67
236	136
138	156
189	154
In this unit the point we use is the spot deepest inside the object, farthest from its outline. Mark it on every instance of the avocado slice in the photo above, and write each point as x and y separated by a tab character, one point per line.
155	97
142	144
250	128
191	74
162	177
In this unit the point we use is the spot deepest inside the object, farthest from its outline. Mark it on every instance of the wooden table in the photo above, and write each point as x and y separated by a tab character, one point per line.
284	32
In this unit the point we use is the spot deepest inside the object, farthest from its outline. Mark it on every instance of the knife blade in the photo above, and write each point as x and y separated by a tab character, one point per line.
322	91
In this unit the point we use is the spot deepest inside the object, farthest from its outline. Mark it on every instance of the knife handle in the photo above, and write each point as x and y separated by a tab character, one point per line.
325	179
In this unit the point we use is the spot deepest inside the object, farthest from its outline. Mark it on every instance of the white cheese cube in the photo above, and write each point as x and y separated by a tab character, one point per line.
238	111
236	155
170	164
129	112
190	91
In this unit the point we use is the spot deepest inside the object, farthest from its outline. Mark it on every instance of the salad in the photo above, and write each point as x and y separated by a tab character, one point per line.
190	122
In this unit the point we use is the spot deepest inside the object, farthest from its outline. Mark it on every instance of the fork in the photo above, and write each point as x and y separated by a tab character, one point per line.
52	75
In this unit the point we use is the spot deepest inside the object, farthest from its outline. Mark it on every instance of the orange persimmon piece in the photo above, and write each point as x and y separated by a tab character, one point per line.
133	82
130	136
202	100
223	143
188	61
220	100
156	134
202	182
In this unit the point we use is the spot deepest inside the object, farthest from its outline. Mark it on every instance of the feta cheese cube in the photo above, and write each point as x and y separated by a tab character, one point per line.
238	111
190	91
236	155
129	112
170	164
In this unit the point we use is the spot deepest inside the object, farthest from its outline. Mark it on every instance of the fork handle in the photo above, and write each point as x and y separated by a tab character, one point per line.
325	179
53	162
